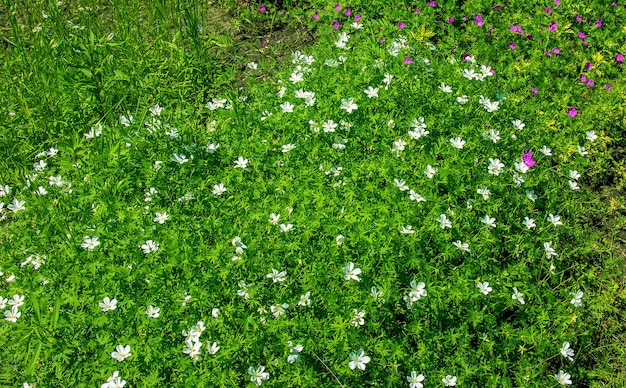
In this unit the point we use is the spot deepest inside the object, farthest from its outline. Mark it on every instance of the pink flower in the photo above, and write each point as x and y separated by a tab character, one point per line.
548	10
588	66
583	78
335	25
464	18
598	23
607	87
480	23
553	26
583	42
581	35
401	25
534	90
432	4
417	11
315	16
348	11
590	83
263	43
619	58
450	20
556	51
579	19
262	8
557	2
548	53
407	61
512	45
496	7
528	158
381	40
357	17
338	7
571	112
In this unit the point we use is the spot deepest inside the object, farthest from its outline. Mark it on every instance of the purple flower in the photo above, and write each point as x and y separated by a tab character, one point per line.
464	18
529	36
262	8
619	58
401	25
579	19
548	53
512	45
553	26
407	61
556	51
598	23
357	17
480	23
348	11
534	90
465	57
335	25
583	42
590	83
315	16
581	35
338	7
528	158
588	66
548	10
583	78
607	87
450	19
381	40
496	7
571	112
263	43
557	2
417	11
432	4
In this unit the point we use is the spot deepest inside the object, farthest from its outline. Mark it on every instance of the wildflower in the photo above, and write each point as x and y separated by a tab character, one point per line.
488	221
348	105
484	288
571	112
114	381
457	142
546	151
413	196
350	272
192	348
529	223
16	205
358	318
315	16
577	300
179	158
401	25
550	252
213	348
274	218
12	315
528	158
493	135
518	296
294	352
495	166
445	88
407	60
485	192
108	304
416	293
90	243
567	352
371	92
619	58
408	229
512	46
462	246
288	147
279	310
277	276
462	99
257	375
149	247
241	162
286	228
563	378
161	217
121	352
449	381
305	300
555	220
287	107
153	312
219	189
415	380
591	135
444	222
430	171
518	124
358	360
400	185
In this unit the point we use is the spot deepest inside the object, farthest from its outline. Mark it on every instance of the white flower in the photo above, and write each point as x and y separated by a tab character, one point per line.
12	315
350	272
457	142
567	352
462	246
574	175
56	181
294	352
274	218
296	77
339	239
371	92
563	378
400	185
398	146
445	88
149	247
491	106
469	73
518	296
358	360
277	276
488	221
546	151
16	205
4	190
529	223
215	312
492	135
416	293
121	353
358	318
518	124
179	158
591	135
484	192
219	189
286	107
531	195
40	165
108	304
348	105
387	80
252	65
286	228
153	312
241	162
415	380
278	310
495	166
3	302
161	217
484	288
555	220
258	375
550	252
462	99
114	381
40	191
416	197
213	348
288	147
573	185
578	296
192	348
408	229
16	300
449	381
376	294
521	167
90	243
430	171
581	151
305	300
444	222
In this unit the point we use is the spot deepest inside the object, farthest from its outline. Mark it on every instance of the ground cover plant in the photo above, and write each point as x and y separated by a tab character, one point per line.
409	201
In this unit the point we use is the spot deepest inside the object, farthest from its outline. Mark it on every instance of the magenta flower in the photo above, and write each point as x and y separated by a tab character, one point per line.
348	11
335	25
571	112
357	17
381	40
450	20
553	26
588	66
315	16
338	7
534	90
548	10
619	58
417	11
557	2
598	23
548	53
496	7
432	4
407	61
583	78
590	83
583	42
528	158
512	45
556	51
607	87
262	8
480	23
581	35
464	18
579	19
401	25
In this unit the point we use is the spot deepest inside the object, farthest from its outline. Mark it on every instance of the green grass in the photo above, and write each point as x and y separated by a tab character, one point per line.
340	190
